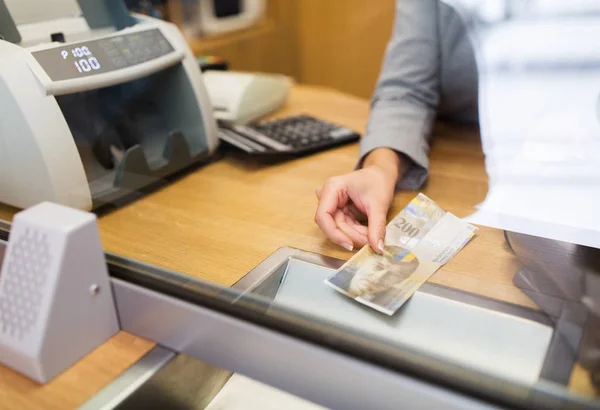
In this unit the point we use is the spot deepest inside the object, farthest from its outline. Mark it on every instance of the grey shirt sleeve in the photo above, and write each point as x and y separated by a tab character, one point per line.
403	107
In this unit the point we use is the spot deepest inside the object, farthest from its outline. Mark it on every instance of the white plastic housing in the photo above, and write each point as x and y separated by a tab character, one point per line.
56	303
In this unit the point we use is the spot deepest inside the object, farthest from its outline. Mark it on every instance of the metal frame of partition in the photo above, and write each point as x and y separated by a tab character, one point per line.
313	372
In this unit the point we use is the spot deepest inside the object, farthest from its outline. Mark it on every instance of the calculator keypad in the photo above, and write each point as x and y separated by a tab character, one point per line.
297	134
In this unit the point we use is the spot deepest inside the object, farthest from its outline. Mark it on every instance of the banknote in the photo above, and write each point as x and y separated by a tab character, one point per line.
418	241
413	222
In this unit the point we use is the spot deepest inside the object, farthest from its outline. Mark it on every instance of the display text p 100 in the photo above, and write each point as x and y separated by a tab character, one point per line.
84	60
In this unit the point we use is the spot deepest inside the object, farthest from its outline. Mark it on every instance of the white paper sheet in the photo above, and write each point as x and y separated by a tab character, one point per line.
242	393
563	213
540	124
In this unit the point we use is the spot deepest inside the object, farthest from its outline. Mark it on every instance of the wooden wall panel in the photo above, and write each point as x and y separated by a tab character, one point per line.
334	43
341	43
269	46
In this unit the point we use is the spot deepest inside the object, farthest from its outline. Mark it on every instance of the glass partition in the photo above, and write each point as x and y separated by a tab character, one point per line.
493	109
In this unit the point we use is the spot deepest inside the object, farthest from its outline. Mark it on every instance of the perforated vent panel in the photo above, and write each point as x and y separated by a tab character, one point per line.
24	280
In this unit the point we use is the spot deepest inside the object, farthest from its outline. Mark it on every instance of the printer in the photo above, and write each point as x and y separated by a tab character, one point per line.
96	104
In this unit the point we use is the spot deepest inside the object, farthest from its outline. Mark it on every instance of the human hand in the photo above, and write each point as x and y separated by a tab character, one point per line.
347	199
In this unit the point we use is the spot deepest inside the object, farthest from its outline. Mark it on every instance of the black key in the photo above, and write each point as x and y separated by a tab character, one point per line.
300	132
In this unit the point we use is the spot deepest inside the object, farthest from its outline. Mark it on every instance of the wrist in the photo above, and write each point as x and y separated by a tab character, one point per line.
391	162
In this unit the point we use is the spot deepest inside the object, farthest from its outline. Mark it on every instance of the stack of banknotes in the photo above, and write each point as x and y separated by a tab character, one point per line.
418	241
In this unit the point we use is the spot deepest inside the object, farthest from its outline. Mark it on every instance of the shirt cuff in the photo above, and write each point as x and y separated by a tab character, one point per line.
404	132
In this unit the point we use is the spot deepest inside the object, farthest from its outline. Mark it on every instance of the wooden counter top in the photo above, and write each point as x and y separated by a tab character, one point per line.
221	220
78	384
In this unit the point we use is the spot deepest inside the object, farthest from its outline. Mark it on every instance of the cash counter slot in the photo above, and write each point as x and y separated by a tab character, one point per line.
135	170
136	174
136	135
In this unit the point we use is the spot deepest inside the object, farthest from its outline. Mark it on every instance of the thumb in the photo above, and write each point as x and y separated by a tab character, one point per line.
377	222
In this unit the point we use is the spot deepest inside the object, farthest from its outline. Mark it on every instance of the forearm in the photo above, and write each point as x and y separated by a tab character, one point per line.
404	104
402	130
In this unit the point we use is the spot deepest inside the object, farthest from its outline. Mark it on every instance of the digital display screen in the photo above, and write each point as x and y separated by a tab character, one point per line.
102	56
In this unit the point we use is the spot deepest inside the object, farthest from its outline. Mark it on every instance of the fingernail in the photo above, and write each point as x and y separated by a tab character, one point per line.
348	246
380	245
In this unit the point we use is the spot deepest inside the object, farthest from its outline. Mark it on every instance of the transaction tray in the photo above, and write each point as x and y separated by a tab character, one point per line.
477	332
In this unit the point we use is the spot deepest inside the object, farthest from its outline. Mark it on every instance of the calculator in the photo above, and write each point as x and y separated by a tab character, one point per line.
296	135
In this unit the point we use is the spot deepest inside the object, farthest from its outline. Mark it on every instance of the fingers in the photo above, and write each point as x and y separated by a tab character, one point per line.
318	192
349	226
358	227
377	222
353	221
329	202
352	211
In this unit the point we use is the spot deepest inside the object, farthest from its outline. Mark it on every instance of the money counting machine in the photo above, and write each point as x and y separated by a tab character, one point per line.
96	104
61	297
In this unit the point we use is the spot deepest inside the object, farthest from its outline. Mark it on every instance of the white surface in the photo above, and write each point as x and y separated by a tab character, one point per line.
39	160
564	213
542	39
240	97
242	393
74	29
540	126
50	319
480	339
33	11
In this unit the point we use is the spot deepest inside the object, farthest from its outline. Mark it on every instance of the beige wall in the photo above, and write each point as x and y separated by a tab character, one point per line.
335	43
341	42
270	46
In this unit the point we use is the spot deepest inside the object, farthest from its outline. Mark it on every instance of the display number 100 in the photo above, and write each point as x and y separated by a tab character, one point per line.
87	64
